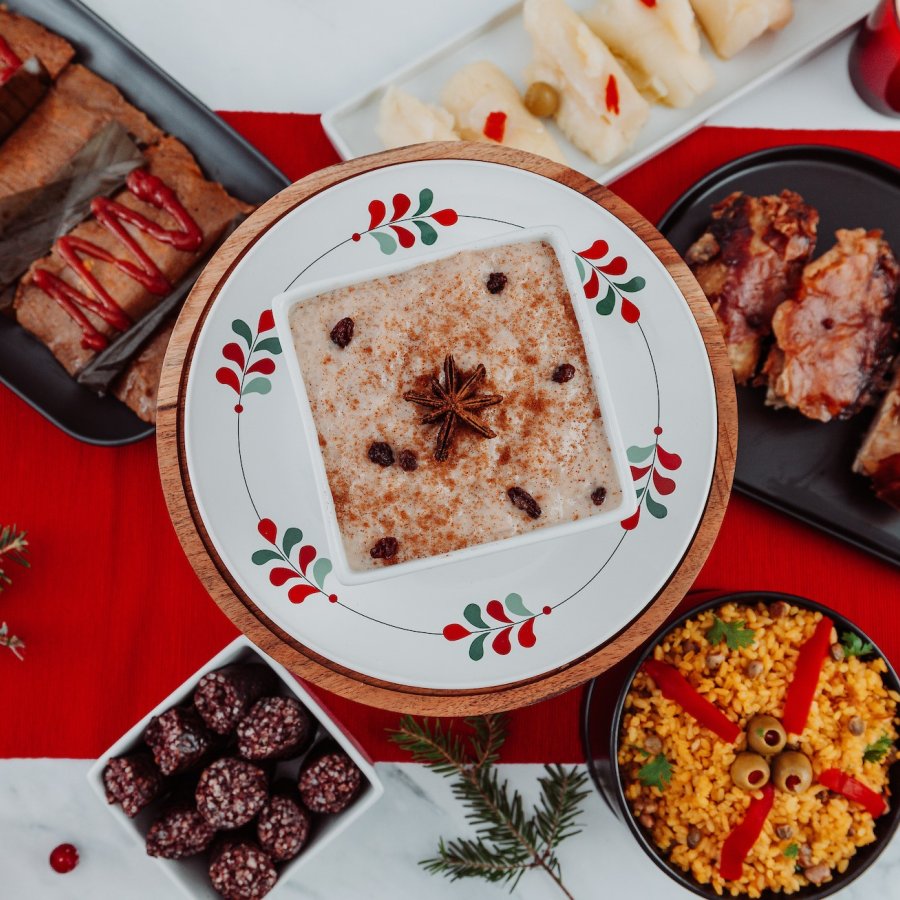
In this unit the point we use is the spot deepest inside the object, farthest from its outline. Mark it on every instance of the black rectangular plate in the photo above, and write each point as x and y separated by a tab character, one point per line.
26	366
799	466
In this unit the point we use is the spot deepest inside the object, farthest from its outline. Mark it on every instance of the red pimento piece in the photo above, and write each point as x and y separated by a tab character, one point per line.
612	95
64	858
744	835
495	126
650	3
803	685
677	688
9	61
853	789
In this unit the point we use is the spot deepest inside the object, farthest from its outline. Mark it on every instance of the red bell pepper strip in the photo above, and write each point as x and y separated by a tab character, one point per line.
803	685
744	835
849	787
495	126
677	688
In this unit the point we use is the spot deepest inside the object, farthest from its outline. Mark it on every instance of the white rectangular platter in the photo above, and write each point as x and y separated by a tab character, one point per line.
504	41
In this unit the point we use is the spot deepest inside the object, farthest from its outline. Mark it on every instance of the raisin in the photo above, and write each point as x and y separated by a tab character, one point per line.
381	453
408	461
342	333
496	282
828	323
386	548
598	496
524	501
564	373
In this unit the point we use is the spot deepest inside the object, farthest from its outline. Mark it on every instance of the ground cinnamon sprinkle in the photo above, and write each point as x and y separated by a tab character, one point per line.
548	438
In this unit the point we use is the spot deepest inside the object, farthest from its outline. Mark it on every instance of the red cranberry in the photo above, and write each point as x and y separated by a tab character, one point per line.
64	858
564	373
496	282
381	453
385	548
342	333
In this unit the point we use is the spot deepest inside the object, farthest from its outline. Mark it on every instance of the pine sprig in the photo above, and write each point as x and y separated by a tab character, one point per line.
509	841
13	545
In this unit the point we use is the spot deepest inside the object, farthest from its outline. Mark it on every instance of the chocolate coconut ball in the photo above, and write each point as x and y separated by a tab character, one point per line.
231	792
134	781
283	828
275	728
179	832
178	738
329	782
224	697
241	870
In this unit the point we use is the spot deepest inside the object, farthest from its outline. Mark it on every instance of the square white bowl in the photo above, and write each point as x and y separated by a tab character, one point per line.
284	303
191	875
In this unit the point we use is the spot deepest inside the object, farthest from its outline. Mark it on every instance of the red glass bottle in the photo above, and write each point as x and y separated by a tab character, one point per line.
875	59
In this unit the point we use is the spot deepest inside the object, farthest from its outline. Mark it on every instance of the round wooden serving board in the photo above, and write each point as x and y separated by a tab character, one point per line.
252	621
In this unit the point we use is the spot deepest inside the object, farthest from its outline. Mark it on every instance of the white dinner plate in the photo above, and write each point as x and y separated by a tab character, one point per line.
480	622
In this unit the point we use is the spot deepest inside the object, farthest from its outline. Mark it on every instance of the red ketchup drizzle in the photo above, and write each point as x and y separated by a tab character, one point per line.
612	95
9	61
187	236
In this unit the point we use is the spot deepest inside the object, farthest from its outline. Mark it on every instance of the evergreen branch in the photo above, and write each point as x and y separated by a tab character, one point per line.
17	645
440	750
489	737
508	841
464	858
14	544
562	791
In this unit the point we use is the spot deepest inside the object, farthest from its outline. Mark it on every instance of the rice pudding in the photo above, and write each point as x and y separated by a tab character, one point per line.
454	404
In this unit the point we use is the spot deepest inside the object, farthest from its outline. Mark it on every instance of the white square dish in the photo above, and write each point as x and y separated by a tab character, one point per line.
616	511
191	874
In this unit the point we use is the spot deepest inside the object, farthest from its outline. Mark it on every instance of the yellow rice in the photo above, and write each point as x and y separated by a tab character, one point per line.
701	792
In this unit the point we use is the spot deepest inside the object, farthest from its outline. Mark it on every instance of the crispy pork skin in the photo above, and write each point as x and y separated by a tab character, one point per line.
879	455
835	342
748	261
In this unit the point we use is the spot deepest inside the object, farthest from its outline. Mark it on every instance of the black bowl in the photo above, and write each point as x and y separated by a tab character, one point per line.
600	737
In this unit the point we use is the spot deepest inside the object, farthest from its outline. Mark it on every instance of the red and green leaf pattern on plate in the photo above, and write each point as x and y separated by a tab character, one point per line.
306	576
601	271
396	228
251	362
502	623
652	480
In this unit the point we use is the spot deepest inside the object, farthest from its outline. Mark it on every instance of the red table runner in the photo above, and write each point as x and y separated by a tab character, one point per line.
114	618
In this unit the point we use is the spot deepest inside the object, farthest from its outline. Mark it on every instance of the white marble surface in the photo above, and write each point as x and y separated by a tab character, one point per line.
47	802
308	55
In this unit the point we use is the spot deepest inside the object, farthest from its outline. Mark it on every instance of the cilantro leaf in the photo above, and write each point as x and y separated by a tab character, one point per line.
641	750
734	634
854	645
876	752
792	851
656	773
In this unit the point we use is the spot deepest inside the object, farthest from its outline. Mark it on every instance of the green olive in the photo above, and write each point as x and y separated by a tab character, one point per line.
750	771
541	99
792	772
766	735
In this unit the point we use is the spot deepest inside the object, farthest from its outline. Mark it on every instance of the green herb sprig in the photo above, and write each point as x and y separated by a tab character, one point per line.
876	752
792	851
508	840
656	773
734	634
854	645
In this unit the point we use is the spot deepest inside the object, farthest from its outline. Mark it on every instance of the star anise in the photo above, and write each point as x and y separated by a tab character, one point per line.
455	401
